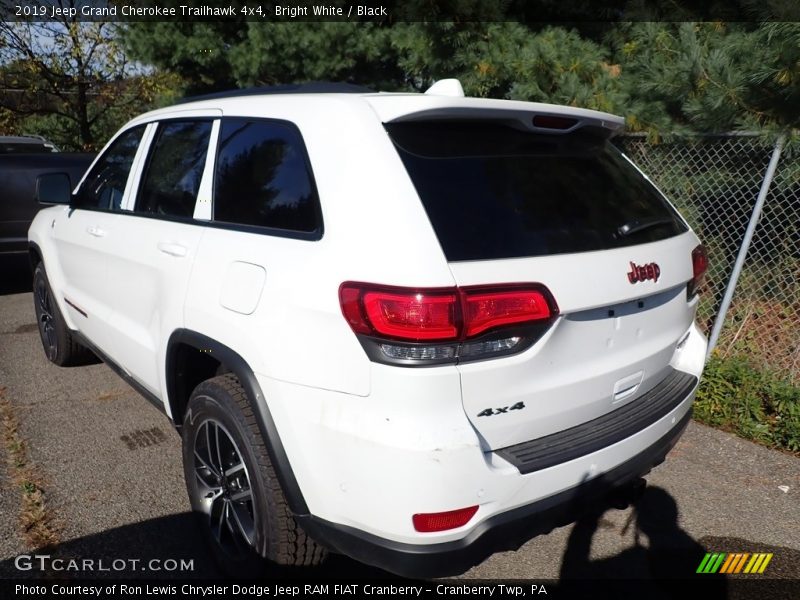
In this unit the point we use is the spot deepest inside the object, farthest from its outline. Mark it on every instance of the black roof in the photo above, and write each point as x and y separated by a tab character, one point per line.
312	87
10	144
22	139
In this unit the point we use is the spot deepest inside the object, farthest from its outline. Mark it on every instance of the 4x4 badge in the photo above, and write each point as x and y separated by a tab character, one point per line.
499	411
644	272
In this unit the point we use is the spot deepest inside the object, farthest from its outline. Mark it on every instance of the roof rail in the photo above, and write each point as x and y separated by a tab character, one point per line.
312	87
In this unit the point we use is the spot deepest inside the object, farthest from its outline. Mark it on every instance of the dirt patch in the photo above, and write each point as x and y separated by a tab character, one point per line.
142	438
113	395
27	328
38	527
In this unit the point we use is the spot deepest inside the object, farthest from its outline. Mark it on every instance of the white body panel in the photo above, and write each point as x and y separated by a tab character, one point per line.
148	274
84	241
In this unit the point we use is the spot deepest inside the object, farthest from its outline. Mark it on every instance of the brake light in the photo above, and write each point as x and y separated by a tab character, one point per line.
699	268
408	325
429	522
414	315
553	122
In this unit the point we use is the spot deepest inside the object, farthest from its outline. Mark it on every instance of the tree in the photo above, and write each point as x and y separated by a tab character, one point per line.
710	76
199	52
72	78
499	59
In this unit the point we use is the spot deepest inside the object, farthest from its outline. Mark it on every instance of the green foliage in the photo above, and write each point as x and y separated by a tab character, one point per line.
275	53
497	59
198	52
557	65
710	76
664	77
775	78
756	403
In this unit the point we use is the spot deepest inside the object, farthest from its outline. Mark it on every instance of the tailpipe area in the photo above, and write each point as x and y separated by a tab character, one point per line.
628	494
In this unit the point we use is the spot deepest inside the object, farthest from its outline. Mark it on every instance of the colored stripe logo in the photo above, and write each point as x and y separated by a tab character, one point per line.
734	562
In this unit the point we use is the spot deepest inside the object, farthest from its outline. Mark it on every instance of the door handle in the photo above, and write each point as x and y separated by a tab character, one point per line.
96	231
173	249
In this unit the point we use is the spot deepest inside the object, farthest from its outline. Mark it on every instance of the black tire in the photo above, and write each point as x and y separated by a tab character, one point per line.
244	514
59	345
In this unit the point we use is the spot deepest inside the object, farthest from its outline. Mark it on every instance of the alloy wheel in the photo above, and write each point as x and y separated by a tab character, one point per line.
223	490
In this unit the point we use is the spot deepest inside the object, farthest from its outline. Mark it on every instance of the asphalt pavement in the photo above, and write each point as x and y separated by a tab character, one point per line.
110	467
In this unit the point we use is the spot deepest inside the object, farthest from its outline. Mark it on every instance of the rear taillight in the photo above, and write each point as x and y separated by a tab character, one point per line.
699	268
489	310
429	326
412	315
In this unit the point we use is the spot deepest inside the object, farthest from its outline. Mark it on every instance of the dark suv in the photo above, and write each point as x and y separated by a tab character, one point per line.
22	160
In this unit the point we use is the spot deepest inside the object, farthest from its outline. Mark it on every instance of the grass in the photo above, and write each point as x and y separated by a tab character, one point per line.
751	384
756	403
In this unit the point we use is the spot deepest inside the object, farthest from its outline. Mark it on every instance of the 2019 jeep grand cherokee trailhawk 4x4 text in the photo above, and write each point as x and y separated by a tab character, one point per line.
412	328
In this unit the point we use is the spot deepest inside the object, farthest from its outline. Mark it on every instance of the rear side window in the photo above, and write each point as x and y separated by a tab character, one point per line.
494	192
105	184
263	179
174	170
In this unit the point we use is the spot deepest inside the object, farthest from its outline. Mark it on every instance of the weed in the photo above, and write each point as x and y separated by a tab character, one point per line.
754	402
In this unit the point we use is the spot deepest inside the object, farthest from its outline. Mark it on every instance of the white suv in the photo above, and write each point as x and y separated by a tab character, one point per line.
411	328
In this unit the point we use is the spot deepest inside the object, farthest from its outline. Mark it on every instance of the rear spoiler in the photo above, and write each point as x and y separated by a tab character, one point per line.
533	116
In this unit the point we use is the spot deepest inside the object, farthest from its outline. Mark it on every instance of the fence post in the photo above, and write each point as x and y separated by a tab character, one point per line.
748	237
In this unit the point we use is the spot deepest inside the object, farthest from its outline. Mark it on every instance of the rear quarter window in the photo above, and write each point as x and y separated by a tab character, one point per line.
492	191
263	179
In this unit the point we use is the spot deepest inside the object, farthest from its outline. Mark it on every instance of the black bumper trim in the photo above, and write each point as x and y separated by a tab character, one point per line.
505	531
608	429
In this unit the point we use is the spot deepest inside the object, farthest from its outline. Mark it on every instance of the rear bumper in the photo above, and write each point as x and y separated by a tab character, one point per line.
365	465
504	531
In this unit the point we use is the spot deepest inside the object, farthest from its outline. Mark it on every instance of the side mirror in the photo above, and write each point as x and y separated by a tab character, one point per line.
53	188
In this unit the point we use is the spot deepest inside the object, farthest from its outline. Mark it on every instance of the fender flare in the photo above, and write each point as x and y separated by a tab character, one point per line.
258	403
35	247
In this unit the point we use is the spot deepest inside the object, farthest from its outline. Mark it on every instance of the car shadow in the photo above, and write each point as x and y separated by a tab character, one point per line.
126	553
659	564
15	274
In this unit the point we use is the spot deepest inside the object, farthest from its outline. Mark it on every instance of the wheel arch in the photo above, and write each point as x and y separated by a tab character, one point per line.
34	255
177	397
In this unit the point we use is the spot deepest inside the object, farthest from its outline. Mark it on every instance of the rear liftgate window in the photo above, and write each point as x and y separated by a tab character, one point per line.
492	191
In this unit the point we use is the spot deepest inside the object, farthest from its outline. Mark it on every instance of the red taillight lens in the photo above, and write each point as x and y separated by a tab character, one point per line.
428	522
350	300
438	314
412	315
411	327
487	310
699	268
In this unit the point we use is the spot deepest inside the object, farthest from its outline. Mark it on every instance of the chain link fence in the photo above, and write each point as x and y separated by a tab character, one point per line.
715	181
